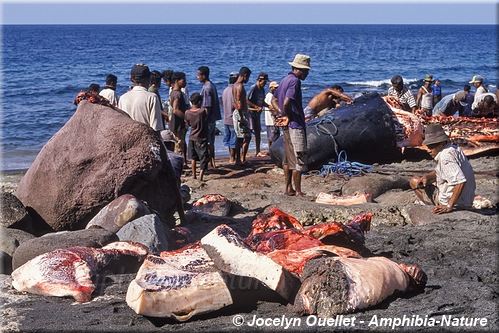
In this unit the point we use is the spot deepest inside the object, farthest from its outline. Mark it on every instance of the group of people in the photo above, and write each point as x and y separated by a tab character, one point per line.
198	111
430	100
451	185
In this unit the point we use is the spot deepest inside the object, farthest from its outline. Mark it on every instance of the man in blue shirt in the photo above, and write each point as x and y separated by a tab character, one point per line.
288	101
451	104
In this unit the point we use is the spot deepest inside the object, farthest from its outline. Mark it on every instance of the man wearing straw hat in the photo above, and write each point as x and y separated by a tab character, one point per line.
453	175
288	102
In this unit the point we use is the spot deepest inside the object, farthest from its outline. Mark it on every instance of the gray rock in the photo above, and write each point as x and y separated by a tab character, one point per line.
14	214
374	184
119	212
5	263
10	239
98	155
147	230
61	240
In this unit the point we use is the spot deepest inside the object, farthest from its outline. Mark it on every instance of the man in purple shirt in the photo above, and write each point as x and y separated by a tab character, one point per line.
288	101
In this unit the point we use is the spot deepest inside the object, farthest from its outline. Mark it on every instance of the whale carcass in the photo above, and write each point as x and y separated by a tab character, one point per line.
364	129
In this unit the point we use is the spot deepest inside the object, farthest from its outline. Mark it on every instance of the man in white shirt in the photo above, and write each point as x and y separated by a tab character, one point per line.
453	176
486	106
140	104
477	82
109	91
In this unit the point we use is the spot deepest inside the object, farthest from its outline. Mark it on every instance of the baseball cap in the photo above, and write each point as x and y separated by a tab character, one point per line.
233	74
140	71
273	84
476	78
263	76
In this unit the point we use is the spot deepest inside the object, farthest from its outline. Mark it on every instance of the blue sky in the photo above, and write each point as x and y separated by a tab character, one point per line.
251	12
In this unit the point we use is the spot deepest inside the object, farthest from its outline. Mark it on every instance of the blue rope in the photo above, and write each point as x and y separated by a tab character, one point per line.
344	167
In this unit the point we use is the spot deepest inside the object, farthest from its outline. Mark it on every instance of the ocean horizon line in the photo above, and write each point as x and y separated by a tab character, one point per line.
248	24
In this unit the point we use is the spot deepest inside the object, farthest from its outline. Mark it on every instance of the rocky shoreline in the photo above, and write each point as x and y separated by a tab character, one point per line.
456	250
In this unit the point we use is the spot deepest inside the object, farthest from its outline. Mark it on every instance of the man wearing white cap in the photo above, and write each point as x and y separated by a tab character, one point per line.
288	102
453	176
477	81
451	104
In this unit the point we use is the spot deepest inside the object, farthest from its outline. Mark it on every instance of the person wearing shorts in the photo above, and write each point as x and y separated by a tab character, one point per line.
198	148
288	102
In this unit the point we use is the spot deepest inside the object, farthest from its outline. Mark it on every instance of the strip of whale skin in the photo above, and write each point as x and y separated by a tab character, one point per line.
232	255
344	200
178	285
338	285
68	272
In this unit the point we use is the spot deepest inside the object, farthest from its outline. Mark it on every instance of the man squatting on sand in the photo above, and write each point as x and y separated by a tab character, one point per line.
288	101
453	175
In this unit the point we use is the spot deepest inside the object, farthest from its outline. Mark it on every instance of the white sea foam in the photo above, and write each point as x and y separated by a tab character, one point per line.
380	83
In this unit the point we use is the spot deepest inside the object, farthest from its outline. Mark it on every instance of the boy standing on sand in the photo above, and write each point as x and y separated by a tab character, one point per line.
197	119
178	106
210	102
273	132
241	106
256	100
228	105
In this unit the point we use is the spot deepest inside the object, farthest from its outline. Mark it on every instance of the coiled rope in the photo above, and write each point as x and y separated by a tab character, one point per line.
345	168
323	130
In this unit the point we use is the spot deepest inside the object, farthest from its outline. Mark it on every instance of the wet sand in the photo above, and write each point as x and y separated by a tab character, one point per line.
458	251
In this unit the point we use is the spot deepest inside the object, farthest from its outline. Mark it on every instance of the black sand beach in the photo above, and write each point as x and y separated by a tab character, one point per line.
458	252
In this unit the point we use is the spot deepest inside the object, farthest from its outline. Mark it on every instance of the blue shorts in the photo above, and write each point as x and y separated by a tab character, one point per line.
229	136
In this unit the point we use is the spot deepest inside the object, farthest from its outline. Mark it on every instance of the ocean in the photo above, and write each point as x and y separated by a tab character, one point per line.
45	66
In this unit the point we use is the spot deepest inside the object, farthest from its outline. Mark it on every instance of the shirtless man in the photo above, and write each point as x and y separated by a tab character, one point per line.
241	105
325	100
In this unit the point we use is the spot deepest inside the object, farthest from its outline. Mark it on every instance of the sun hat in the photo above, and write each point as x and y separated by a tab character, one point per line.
476	78
460	96
140	71
301	61
273	84
428	78
167	136
434	133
